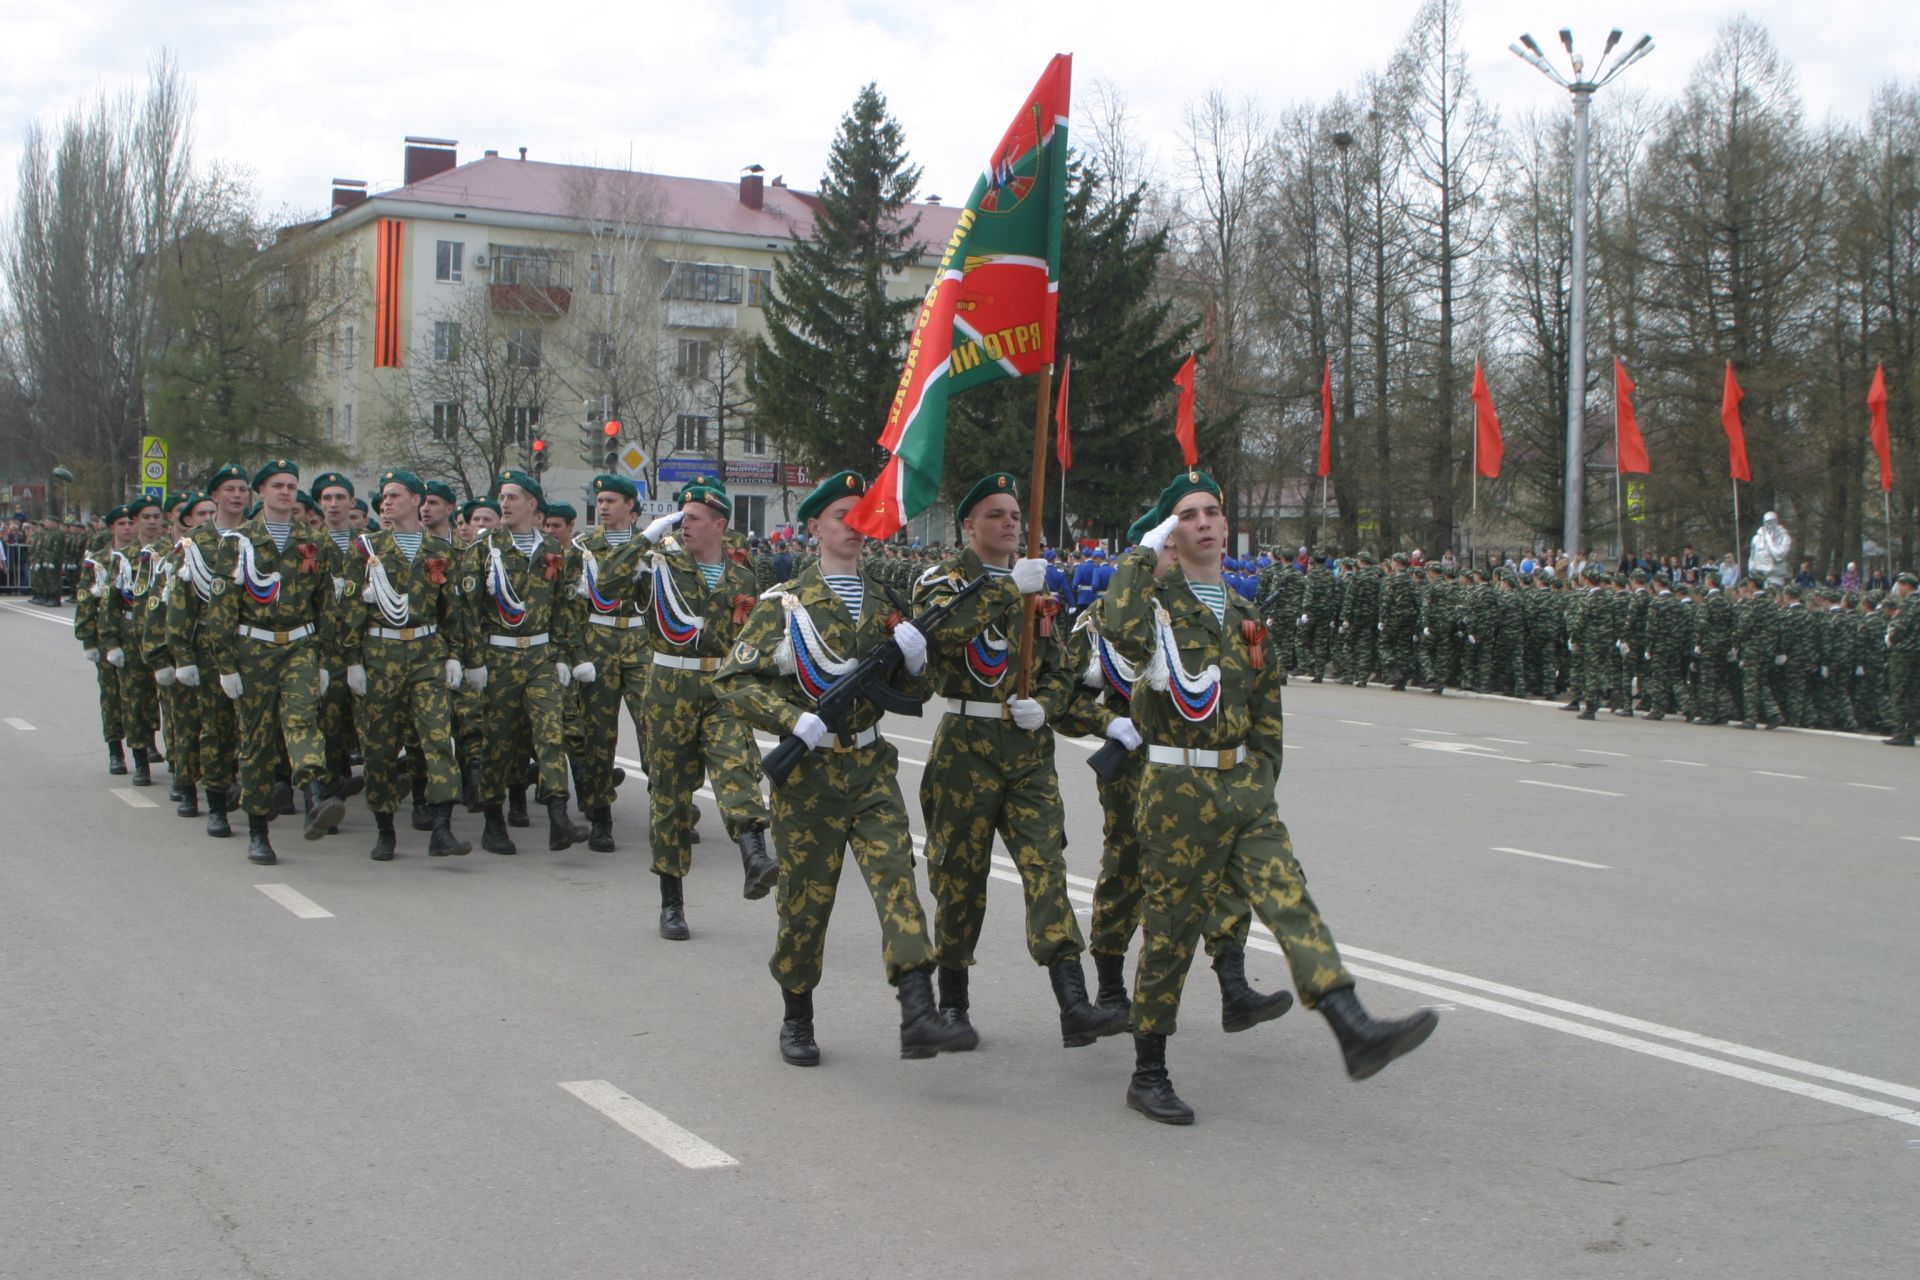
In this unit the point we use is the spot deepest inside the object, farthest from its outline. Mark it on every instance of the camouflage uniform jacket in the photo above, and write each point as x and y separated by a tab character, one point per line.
686	619
384	589
610	577
267	589
975	654
507	592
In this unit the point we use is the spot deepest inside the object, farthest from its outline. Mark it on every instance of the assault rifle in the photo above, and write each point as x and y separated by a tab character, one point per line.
867	682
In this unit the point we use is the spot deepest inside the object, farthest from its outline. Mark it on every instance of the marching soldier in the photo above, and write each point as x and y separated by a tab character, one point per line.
991	766
613	644
206	557
137	579
1208	707
1903	661
334	495
844	794
185	714
97	594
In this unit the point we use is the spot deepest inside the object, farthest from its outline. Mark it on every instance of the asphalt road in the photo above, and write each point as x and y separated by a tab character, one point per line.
1681	1034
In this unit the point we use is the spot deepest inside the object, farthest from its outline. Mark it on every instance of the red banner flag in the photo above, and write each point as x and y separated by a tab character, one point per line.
1326	419
1183	429
1628	448
1730	399
1488	448
1877	405
1063	439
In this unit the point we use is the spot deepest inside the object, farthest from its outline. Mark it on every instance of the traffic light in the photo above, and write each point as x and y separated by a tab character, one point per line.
612	431
539	456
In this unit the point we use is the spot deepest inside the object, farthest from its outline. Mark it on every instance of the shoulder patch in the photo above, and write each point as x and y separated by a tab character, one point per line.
468	583
745	654
219	586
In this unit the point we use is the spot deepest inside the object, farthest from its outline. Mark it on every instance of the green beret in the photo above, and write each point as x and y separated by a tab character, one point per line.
278	467
1366	555
175	499
330	480
140	502
442	490
617	484
472	505
986	487
562	511
406	480
842	484
1183	484
191	499
706	491
1638	575
306	500
519	479
1909	579
1793	591
232	471
117	514
360	504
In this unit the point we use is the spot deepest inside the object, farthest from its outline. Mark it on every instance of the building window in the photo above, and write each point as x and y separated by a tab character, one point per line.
705	282
753	442
346	426
446	422
446	341
530	265
353	347
331	437
448	255
600	273
690	434
750	514
693	358
521	422
759	285
600	351
523	348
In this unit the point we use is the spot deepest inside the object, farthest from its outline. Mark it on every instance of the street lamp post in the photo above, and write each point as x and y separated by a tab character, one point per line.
1582	88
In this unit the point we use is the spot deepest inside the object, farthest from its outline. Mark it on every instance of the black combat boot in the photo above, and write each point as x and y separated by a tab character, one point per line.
324	810
600	829
954	1005
347	784
1112	974
493	836
153	751
1898	740
1150	1092
259	850
217	825
282	798
142	771
562	832
1588	713
422	816
1081	1023
673	910
116	759
517	807
443	843
173	791
1572	706
1367	1044
189	806
762	871
383	843
923	1032
796	1033
1240	1005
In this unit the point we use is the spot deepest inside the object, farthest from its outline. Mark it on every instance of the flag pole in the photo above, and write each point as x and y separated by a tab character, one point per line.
1060	547
1735	482
1035	519
1886	497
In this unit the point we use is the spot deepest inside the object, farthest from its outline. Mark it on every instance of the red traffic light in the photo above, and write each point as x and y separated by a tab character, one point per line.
539	446
612	428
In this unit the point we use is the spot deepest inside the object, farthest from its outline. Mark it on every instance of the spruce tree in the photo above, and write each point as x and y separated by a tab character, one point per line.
826	369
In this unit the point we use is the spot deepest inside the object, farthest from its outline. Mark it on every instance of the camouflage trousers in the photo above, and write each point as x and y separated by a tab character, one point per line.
1719	684
1663	681
835	801
337	724
1872	696
1903	685
183	713
1314	646
1793	690
691	734
406	704
620	658
1756	690
279	716
1598	666
112	712
1120	892
219	735
1361	650
520	717
1397	662
1206	831
1833	699
984	776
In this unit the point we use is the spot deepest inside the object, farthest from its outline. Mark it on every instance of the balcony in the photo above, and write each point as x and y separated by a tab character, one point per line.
545	300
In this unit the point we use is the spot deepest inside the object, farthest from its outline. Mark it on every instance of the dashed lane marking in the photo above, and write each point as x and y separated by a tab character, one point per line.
20	724
295	901
1552	857
1364	724
133	799
1869	786
1512	742
1691	764
1768	773
1595	751
39	613
1564	786
648	1125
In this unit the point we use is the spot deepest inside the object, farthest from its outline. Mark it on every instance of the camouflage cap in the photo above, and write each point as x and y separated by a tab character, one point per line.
1908	579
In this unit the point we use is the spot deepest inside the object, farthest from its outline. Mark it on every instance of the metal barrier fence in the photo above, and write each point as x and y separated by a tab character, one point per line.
14	573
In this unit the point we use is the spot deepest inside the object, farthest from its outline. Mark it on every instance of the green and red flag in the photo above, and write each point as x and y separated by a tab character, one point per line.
991	311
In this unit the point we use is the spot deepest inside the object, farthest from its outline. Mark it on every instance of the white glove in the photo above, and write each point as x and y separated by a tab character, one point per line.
188	675
1027	714
1823	673
326	681
1696	651
1304	619
662	527
1573	646
1623	647
93	655
810	729
116	657
453	673
563	673
476	678
1426	633
1779	659
1123	732
1157	536
231	686
1343	628
1647	656
1859	671
1473	640
1381	627
1029	576
1733	655
913	647
163	676
357	680
586	673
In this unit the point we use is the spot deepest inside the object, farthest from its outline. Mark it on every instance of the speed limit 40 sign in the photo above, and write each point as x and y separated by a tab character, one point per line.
153	461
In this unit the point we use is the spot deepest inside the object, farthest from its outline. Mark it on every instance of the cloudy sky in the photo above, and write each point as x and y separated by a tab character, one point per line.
301	92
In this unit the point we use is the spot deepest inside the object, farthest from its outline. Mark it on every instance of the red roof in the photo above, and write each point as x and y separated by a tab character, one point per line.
680	204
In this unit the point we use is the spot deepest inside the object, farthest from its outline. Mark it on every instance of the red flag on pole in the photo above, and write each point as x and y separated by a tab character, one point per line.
1183	429
1628	447
1877	404
1730	399
1063	440
1486	427
1326	419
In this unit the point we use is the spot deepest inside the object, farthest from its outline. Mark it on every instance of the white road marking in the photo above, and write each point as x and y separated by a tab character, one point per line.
1469	749
20	724
1364	724
39	613
1512	742
1594	751
1691	764
1562	786
1448	733
1915	839
1768	773
133	799
1551	857
1869	786
295	901
643	1122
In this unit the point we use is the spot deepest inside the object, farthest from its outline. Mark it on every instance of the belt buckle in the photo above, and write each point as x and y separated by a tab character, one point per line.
1224	760
280	637
520	642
